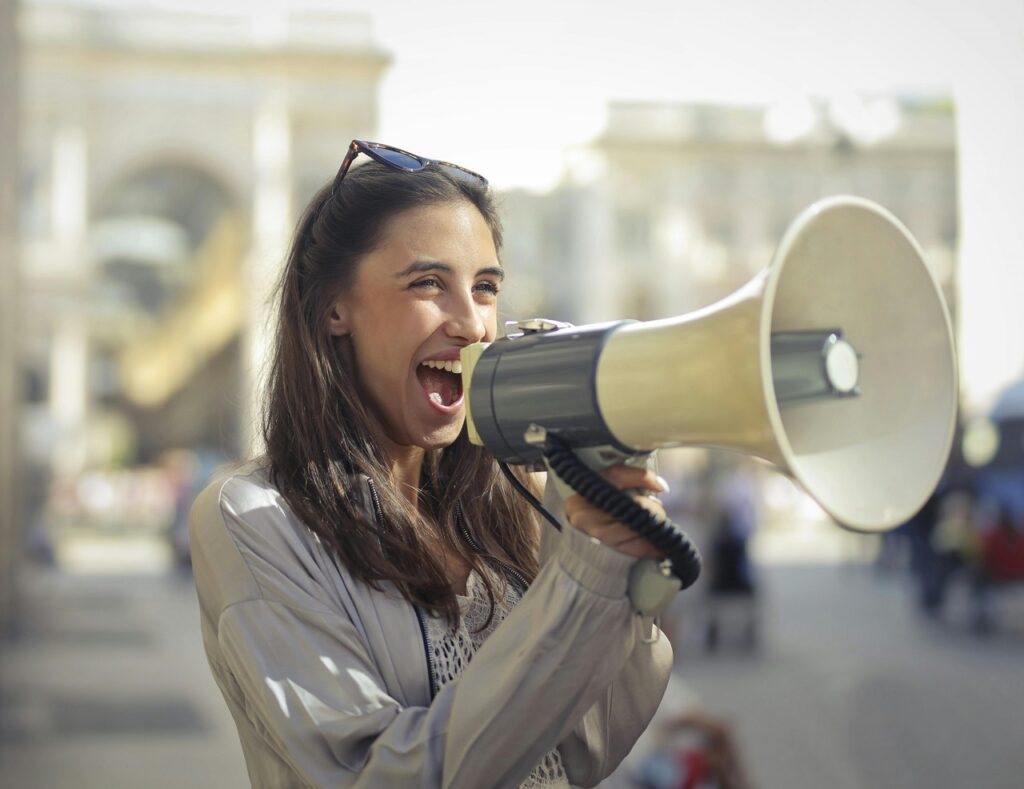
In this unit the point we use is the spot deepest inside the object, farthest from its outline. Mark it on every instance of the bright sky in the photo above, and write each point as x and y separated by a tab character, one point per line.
504	87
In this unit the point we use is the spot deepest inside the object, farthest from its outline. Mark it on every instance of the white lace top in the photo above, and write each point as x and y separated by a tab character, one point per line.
453	649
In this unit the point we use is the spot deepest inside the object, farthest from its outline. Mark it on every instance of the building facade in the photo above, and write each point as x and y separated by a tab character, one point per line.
675	206
165	155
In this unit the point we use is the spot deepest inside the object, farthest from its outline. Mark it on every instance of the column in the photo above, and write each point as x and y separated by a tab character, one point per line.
69	352
271	230
10	293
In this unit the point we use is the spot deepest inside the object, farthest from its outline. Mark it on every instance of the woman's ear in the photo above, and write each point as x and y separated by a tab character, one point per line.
337	321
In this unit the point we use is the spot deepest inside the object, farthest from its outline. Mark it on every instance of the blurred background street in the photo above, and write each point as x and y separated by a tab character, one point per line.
156	156
106	685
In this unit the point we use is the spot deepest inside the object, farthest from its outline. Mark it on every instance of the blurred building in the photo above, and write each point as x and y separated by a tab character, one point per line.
164	157
10	390
675	206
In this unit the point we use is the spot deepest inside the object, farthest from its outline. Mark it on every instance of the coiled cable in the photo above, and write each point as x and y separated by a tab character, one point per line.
662	533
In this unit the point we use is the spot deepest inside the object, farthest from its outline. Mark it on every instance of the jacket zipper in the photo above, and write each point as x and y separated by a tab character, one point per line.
507	568
421	616
378	513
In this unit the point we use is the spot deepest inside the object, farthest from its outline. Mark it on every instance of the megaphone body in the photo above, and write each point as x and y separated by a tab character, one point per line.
836	364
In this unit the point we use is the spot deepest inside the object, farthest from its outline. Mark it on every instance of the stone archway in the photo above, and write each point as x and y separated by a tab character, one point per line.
168	251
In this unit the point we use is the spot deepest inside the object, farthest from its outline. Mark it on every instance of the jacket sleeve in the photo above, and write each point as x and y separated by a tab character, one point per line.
608	730
312	690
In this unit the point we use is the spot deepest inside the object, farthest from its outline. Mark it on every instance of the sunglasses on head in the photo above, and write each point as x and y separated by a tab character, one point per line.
398	159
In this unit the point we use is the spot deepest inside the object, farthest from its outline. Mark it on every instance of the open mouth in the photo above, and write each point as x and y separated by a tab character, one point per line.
443	387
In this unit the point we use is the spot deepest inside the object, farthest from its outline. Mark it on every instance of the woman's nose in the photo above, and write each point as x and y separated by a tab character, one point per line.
466	320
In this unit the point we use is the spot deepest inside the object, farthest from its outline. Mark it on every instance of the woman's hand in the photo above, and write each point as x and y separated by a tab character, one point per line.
598	524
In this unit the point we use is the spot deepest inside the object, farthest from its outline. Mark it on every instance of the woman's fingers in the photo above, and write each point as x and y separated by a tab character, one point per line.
582	513
641	483
625	477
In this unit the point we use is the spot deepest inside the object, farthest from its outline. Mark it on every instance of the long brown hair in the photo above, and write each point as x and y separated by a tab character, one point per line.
320	438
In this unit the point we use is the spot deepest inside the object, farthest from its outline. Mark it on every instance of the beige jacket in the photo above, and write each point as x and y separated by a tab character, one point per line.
328	682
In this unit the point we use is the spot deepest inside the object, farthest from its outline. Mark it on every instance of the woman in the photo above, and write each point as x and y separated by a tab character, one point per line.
346	580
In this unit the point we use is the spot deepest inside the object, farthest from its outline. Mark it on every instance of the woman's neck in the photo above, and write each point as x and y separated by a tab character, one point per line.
406	465
406	462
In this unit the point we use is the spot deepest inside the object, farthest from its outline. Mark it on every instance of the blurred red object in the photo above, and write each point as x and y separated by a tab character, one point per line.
1002	552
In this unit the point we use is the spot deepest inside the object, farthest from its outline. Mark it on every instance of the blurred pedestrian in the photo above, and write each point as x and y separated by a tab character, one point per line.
732	585
952	546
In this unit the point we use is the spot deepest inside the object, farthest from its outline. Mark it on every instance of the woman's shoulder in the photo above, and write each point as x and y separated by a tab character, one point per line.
241	488
248	488
236	500
247	543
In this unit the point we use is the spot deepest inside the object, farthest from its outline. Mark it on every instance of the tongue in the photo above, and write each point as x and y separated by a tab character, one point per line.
440	385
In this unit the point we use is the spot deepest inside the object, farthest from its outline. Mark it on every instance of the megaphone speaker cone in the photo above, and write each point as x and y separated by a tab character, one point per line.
845	270
871	460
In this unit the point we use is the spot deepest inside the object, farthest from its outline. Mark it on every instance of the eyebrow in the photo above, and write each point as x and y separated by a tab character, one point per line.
434	265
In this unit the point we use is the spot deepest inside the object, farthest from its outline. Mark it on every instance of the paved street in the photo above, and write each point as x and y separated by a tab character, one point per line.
852	690
108	687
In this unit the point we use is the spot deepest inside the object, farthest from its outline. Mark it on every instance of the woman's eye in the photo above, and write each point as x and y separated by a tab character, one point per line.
488	287
427	282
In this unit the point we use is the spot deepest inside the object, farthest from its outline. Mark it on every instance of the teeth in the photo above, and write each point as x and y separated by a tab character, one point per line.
452	367
436	397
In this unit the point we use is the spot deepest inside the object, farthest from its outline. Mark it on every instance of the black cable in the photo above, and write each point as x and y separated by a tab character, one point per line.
660	532
534	501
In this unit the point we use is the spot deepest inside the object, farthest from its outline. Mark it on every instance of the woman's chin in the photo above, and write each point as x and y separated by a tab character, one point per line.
436	425
443	436
428	433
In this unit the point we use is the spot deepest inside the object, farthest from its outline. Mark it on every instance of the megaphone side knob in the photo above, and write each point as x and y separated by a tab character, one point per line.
521	327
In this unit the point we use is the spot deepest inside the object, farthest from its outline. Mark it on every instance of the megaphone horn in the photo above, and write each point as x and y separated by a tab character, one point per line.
835	363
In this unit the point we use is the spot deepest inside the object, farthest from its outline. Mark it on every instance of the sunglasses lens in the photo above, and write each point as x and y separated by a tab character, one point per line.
464	175
398	159
411	163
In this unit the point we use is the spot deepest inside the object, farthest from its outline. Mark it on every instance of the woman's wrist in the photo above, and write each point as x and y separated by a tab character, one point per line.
594	565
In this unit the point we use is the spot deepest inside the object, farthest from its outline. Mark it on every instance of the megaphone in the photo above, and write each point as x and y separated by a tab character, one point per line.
835	363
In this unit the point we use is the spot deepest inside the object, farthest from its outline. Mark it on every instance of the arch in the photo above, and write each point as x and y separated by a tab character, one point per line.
177	188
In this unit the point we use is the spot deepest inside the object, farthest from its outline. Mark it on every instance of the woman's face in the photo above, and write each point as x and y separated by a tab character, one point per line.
427	290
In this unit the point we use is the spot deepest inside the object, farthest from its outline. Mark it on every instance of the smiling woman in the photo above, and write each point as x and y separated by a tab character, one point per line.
347	578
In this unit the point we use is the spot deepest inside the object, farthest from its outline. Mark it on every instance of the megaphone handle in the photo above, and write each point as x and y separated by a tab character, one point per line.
651	583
